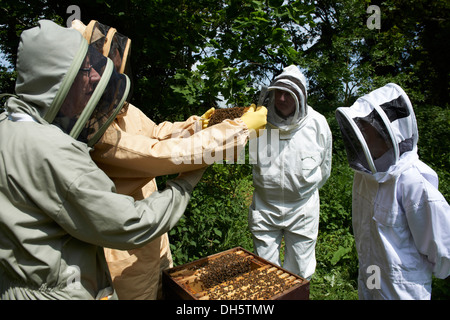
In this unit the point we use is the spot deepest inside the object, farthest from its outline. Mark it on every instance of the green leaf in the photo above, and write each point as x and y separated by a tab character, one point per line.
339	254
218	232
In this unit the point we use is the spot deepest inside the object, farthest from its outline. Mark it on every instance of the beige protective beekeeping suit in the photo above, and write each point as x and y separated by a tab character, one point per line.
132	152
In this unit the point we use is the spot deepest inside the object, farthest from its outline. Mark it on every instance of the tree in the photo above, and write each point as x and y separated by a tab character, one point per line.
333	60
347	59
245	44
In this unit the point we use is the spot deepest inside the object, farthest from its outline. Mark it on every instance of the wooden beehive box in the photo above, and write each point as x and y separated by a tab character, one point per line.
235	274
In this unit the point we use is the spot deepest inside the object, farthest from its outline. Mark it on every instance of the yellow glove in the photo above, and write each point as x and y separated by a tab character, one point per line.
206	116
255	118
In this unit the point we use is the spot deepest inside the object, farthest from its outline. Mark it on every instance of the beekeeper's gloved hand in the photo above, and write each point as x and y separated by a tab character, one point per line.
206	116
255	118
192	177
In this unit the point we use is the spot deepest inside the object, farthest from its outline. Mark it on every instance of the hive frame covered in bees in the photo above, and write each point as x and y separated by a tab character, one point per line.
255	279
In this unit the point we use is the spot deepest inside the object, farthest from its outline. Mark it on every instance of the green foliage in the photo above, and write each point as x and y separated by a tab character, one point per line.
337	261
245	43
433	124
441	289
337	266
216	218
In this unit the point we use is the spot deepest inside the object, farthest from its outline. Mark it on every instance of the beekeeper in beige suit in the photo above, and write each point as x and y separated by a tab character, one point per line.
134	150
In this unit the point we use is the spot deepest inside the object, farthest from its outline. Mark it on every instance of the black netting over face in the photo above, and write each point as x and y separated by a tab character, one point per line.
378	140
94	99
119	52
107	108
354	149
81	91
110	43
97	36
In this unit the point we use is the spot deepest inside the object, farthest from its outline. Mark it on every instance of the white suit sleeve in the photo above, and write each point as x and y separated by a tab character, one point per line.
428	215
326	163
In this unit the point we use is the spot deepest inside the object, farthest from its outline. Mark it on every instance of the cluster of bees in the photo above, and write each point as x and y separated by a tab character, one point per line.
231	277
227	113
223	268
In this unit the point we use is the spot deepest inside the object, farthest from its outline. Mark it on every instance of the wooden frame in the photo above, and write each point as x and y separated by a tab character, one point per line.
182	282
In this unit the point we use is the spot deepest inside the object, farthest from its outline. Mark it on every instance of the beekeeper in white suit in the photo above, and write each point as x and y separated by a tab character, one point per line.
401	222
293	162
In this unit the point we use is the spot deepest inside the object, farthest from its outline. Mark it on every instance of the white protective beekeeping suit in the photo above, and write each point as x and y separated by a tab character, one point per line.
293	162
400	220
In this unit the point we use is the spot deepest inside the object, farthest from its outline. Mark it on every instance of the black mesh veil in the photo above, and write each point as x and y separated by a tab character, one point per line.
94	99
378	140
107	108
356	155
379	130
111	44
119	53
367	142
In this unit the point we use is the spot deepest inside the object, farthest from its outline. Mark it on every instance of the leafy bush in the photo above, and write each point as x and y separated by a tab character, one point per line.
434	136
216	217
337	260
